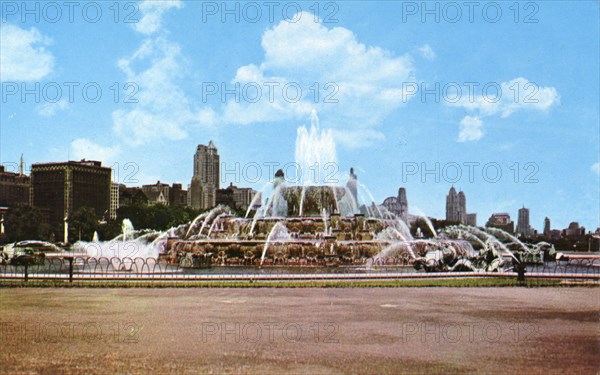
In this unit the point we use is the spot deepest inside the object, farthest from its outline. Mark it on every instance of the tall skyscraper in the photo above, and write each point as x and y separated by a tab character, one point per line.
523	226
451	205
547	227
456	206
205	182
402	204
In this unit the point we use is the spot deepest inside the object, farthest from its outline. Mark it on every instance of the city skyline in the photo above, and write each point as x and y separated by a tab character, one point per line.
174	55
163	193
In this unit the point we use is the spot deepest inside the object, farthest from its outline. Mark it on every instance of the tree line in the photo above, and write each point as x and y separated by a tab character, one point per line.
29	223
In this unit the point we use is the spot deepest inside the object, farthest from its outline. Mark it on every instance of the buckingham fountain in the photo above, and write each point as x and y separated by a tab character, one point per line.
313	220
320	223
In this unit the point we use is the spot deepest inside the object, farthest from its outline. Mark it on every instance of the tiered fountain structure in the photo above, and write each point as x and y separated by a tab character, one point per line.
309	222
300	225
314	222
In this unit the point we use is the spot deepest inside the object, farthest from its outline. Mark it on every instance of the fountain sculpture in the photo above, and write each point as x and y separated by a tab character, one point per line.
316	221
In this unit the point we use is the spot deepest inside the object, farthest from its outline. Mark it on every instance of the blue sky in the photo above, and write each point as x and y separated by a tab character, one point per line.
500	88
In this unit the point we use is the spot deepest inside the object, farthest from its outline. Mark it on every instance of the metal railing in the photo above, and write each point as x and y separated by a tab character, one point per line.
89	268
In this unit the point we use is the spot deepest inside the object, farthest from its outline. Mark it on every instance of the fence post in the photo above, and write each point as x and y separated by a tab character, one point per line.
519	266
520	271
521	274
26	272
70	259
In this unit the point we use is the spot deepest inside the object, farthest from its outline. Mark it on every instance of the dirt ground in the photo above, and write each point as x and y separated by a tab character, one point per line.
301	331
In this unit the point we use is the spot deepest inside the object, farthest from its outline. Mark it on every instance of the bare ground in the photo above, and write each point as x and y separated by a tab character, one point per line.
301	331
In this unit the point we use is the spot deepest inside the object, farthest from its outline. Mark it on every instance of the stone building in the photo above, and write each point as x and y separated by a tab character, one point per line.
177	196
398	205
131	196
15	188
234	197
114	200
574	230
472	220
157	193
63	188
456	208
501	221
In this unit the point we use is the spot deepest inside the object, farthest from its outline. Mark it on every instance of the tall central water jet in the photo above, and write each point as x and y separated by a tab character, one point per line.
315	154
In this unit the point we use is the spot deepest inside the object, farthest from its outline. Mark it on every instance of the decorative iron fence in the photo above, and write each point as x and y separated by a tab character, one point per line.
89	268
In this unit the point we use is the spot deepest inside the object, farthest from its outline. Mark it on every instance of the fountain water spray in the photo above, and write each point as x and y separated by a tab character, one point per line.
212	214
127	229
302	194
429	225
498	231
216	222
489	239
363	187
279	232
194	223
324	216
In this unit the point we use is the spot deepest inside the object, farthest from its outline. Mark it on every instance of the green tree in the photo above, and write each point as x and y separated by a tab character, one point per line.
109	230
25	223
157	217
82	224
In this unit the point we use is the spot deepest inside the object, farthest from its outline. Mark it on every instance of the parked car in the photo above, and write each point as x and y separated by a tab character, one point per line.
28	252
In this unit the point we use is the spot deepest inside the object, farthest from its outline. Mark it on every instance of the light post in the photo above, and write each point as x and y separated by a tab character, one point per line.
66	234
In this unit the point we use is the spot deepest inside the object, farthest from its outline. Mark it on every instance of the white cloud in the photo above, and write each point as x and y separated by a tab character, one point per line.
367	82
152	11
512	96
23	56
49	109
163	110
520	93
138	127
83	148
470	129
596	168
427	52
